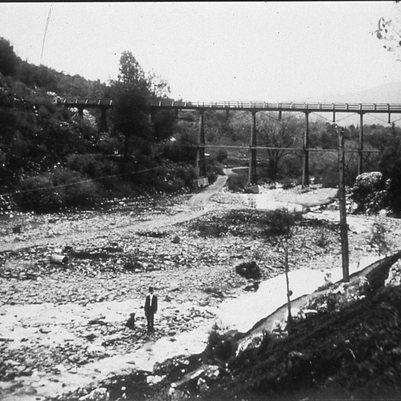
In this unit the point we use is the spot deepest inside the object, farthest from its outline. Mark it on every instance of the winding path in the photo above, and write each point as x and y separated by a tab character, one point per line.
198	205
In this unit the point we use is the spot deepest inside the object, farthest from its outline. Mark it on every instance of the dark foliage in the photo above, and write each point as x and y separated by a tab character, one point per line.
259	223
353	353
390	166
8	59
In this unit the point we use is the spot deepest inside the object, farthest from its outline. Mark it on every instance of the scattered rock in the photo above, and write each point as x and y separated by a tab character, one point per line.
90	336
99	394
252	287
175	394
134	266
176	239
98	320
17	229
58	259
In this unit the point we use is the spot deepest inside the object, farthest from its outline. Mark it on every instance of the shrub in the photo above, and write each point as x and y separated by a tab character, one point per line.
37	193
49	192
92	165
322	240
279	222
75	189
212	171
248	270
378	238
394	190
222	155
214	229
370	192
288	183
8	59
237	182
220	347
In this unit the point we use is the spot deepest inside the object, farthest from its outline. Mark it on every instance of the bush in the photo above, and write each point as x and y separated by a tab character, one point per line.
220	347
212	171
369	192
378	238
222	155
248	270
94	166
75	189
50	192
8	59
212	228
279	222
171	177
37	193
394	190
237	182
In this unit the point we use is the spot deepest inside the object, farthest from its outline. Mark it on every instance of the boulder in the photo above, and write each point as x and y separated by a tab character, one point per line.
99	394
248	270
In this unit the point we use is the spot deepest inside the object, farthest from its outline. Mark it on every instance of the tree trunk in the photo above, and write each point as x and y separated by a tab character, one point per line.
272	168
126	145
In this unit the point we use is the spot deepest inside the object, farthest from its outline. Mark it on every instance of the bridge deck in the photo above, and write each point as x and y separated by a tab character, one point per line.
301	107
251	106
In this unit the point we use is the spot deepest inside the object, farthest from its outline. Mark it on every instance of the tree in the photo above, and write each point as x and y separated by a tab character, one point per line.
286	133
389	32
8	59
131	95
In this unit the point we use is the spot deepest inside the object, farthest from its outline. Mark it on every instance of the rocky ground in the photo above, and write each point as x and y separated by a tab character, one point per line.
63	317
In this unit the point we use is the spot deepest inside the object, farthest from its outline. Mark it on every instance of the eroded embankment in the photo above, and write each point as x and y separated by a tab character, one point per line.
345	352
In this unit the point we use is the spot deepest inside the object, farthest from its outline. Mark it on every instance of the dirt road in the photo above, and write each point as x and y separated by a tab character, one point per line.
197	206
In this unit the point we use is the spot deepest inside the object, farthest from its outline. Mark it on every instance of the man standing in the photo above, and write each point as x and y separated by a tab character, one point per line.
150	309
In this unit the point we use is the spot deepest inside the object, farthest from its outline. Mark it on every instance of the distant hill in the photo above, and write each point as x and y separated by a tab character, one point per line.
387	93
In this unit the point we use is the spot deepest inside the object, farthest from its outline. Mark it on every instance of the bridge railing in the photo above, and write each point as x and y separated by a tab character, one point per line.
356	107
85	102
324	107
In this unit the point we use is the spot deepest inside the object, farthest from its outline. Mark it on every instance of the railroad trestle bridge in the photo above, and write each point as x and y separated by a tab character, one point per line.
253	108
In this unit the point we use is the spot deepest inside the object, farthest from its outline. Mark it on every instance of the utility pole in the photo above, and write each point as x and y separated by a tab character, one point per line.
289	292
343	211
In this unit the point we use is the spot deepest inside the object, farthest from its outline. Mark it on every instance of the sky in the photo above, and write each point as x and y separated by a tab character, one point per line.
267	51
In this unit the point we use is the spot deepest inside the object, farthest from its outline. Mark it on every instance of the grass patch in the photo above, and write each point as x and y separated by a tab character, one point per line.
260	223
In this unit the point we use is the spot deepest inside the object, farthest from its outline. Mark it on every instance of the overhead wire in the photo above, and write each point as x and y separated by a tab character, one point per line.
77	182
45	33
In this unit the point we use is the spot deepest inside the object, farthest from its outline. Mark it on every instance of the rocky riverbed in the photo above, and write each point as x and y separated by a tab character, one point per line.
59	321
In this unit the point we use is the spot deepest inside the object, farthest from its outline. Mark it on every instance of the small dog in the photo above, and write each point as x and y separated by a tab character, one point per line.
131	321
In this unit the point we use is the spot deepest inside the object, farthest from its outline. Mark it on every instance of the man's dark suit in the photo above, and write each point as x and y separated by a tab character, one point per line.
150	310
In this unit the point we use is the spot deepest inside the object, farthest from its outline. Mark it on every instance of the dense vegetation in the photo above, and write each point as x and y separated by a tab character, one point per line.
51	158
54	159
354	353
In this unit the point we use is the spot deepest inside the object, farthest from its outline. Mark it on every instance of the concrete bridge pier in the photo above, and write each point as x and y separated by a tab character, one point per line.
360	144
305	158
252	178
103	120
81	112
200	153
